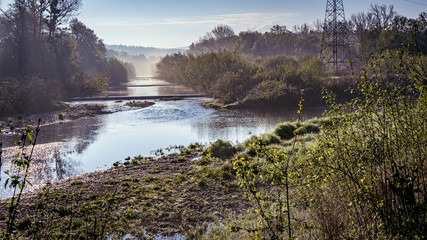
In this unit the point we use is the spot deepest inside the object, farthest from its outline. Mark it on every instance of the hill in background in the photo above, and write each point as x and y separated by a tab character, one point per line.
147	51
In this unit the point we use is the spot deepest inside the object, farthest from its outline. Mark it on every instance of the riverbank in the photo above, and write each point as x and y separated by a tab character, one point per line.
187	193
66	113
175	194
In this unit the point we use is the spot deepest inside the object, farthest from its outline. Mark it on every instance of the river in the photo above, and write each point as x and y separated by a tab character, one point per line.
95	143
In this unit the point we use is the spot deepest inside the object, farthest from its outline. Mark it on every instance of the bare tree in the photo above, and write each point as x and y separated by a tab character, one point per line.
277	29
222	31
318	25
305	28
360	22
301	29
296	28
383	16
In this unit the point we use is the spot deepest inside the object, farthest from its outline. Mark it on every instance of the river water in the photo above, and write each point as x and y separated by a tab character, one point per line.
95	143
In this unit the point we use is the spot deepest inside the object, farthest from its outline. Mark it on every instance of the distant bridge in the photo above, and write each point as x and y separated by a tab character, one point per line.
131	98
138	86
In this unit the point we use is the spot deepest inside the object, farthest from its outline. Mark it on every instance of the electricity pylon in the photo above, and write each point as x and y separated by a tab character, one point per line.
335	48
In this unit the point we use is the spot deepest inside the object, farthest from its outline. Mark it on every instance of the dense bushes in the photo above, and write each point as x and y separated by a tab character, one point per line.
378	150
87	84
231	77
26	96
365	176
270	68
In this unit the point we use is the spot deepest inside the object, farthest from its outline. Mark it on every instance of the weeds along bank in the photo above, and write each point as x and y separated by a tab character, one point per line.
360	173
183	193
365	176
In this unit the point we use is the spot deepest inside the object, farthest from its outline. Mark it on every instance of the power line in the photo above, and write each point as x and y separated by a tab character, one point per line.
416	2
335	47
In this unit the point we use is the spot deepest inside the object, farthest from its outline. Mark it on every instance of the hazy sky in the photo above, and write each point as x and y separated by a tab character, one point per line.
178	23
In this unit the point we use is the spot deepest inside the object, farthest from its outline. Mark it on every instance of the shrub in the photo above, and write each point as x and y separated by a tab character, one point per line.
231	87
87	84
308	128
365	178
372	157
227	172
270	138
285	130
220	149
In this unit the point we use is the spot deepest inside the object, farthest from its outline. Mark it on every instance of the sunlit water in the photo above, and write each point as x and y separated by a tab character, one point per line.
95	143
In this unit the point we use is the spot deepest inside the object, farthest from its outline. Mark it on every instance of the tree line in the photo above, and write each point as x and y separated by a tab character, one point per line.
376	30
47	55
271	67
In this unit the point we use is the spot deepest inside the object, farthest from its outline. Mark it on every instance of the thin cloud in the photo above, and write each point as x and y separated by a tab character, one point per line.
243	21
247	21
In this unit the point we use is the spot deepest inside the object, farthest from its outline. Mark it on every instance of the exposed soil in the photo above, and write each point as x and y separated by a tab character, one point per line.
67	113
169	195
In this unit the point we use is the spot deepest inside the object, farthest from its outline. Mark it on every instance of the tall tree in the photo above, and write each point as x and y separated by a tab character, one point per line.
59	12
91	49
383	15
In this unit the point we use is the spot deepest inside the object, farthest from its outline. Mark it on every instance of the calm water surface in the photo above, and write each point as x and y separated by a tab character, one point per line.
91	144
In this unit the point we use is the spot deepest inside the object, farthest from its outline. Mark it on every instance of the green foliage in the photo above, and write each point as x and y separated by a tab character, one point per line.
203	71
230	86
314	72
285	131
234	78
365	177
16	181
26	96
220	149
88	84
117	71
167	68
42	64
377	149
308	128
266	185
273	91
270	138
280	68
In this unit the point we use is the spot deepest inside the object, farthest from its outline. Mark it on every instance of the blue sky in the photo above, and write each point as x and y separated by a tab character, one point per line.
178	23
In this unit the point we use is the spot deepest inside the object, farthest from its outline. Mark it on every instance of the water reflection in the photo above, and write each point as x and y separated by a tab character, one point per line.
53	156
95	143
148	87
49	163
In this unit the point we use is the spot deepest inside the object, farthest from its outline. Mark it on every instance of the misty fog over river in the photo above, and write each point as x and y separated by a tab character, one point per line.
95	143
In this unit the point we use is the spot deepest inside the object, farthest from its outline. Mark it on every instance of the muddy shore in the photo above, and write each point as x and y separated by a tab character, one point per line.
67	113
173	194
170	195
